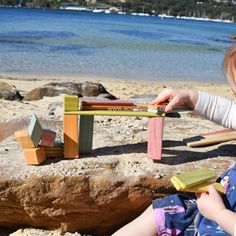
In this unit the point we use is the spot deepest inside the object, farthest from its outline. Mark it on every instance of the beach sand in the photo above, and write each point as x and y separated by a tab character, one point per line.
15	115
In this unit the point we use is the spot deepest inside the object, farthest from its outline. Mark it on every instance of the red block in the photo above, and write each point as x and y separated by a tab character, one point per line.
47	138
155	134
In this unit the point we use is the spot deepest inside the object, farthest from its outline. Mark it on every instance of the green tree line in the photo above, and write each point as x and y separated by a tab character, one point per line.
190	8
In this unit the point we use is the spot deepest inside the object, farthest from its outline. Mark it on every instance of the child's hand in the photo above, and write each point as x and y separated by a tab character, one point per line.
177	97
210	204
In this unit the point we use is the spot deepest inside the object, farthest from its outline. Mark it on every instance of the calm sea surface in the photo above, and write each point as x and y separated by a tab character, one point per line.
51	42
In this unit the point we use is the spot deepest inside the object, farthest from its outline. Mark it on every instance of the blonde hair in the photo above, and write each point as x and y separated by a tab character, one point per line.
229	66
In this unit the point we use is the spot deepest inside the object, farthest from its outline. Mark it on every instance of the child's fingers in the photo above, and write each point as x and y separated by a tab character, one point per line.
172	104
212	190
163	97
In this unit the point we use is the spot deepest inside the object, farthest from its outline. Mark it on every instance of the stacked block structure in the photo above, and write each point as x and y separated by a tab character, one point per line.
79	120
38	143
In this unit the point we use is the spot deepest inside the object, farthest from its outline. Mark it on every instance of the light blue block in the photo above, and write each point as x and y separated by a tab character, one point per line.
35	130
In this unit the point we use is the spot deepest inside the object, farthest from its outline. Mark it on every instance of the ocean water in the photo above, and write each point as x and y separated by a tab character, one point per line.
53	42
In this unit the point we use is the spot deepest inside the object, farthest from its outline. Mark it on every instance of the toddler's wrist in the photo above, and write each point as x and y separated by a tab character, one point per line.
221	216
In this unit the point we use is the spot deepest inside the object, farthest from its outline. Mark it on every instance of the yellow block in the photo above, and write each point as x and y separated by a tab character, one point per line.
71	103
189	179
114	113
203	188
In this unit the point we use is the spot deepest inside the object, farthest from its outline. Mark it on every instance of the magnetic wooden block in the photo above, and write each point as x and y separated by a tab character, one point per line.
55	148
47	138
213	139
193	178
197	181
203	188
71	103
56	151
54	155
71	136
23	139
34	156
222	131
107	102
86	133
114	113
108	107
35	130
155	134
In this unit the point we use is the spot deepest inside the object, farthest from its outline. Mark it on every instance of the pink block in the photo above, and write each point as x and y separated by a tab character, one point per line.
47	138
155	134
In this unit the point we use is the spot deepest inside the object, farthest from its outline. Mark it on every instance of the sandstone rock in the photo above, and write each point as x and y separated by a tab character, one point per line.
97	205
40	232
9	92
83	89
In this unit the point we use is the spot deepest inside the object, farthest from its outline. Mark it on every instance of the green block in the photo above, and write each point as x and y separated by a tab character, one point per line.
86	134
71	103
35	130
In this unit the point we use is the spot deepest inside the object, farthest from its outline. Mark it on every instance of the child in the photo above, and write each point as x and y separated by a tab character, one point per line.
211	214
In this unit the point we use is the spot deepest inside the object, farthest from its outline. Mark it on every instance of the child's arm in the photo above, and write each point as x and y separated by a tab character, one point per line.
177	97
212	207
217	109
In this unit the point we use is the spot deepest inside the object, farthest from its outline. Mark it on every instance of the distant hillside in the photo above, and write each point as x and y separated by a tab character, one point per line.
213	9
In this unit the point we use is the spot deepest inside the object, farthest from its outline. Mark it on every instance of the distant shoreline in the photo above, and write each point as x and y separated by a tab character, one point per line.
74	77
111	10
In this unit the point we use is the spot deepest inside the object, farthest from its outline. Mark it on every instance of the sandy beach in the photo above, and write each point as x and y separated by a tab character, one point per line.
111	145
122	89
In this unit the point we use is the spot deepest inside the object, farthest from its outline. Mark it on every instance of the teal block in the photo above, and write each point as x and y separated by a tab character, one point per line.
85	134
35	130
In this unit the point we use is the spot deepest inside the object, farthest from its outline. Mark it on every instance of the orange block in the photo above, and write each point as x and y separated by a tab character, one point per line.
34	156
71	136
23	138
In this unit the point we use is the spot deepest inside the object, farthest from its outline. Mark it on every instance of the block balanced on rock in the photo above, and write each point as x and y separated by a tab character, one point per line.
35	140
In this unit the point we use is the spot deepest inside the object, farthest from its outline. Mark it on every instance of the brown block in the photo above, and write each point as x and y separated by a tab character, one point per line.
71	136
23	139
34	156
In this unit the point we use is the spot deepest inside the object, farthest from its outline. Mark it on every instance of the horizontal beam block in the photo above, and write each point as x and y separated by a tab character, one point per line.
113	113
